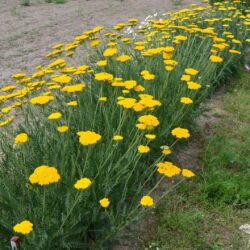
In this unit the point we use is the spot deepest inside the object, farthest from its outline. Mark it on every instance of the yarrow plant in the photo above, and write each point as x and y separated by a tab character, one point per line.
85	146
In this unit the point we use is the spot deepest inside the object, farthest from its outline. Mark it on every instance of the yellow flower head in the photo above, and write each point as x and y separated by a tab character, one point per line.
103	76
62	129
103	99
169	68
41	100
143	149
21	138
88	137
104	202
130	84
187	173
123	58
180	133
180	38
191	71
186	78
150	136
44	175
186	100
166	150
6	121
110	52
147	201
168	169
215	59
72	103
101	63
24	227
148	121
127	103
83	183
55	116
62	79
18	76
193	85
233	51
73	88
118	138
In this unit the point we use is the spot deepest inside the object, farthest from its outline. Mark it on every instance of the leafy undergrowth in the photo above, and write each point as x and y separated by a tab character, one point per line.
206	212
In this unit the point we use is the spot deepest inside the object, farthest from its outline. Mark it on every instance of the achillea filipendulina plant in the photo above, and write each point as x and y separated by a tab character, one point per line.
108	125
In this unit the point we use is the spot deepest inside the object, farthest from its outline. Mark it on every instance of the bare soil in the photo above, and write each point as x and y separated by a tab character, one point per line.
28	33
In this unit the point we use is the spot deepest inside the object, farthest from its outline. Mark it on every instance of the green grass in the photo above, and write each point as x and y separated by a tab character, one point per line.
206	212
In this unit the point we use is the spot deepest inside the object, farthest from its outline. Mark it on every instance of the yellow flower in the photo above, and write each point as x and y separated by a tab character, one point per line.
143	149
166	150
94	42
147	201
73	88
150	136
7	121
233	51
148	121
24	227
193	85
180	38
169	68
83	183
110	52
139	47
187	173
62	129
44	175
18	76
127	103
168	49
215	59
103	99
168	169
186	100
123	58
180	133
167	56
104	202
6	110
8	88
147	75
191	71
117	138
62	79
102	63
21	138
55	116
103	76
88	137
186	78
171	62
72	103
130	84
139	88
41	100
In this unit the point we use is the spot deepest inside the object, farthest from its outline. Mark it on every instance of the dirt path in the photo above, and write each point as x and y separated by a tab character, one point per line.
27	33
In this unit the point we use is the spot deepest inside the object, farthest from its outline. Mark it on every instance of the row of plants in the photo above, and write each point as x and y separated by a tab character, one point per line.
87	138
